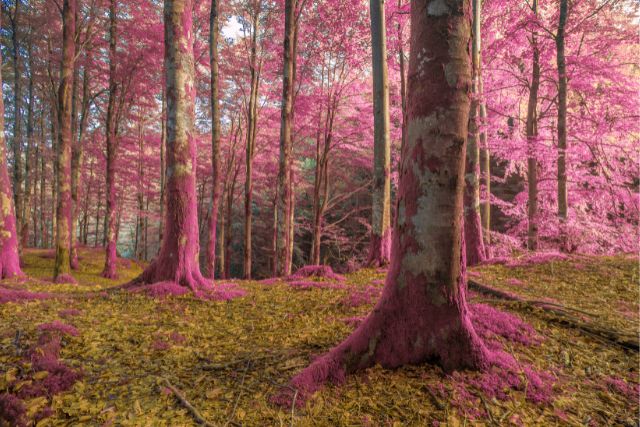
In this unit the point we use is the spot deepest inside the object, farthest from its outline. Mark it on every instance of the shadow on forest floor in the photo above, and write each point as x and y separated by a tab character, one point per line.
229	358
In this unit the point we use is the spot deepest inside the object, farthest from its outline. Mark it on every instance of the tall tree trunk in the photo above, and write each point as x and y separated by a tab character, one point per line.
28	164
18	177
62	269
75	167
380	243
139	249
485	155
282	254
178	258
163	165
109	270
532	142
403	80
472	225
422	314
98	207
215	140
562	122
251	142
9	258
44	228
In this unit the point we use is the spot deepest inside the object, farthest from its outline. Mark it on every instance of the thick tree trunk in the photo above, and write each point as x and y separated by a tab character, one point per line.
215	140
472	223
18	171
9	258
251	142
178	258
422	315
111	234
532	141
62	269
380	243
282	258
562	122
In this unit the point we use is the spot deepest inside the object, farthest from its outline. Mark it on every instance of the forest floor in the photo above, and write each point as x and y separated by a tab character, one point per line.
119	350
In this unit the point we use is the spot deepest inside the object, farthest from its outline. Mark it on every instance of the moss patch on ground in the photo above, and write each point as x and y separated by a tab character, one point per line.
229	358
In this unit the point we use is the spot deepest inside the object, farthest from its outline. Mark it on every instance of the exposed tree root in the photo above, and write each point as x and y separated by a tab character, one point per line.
184	402
563	316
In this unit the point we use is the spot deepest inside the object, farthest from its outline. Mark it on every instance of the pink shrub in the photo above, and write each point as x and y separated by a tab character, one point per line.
58	326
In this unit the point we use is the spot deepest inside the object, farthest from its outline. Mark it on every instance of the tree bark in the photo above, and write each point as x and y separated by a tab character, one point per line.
380	240
251	142
215	139
422	314
472	223
29	160
18	178
62	269
178	258
282	256
532	141
9	258
111	234
562	122
163	166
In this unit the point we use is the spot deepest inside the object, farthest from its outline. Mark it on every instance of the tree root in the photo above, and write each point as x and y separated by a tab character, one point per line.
563	316
192	410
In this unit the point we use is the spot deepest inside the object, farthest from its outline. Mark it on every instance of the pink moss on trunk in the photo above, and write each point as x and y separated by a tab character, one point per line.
379	249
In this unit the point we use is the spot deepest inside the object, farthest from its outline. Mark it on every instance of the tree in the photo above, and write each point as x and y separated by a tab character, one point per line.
9	258
215	139
472	221
562	121
532	135
177	261
62	268
423	314
112	149
380	243
283	196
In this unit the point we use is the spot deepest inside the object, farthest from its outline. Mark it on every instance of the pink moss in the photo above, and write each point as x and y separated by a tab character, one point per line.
65	279
323	271
353	321
628	390
70	312
160	345
270	281
537	258
362	296
16	295
490	323
217	292
177	338
12	410
496	261
514	282
58	326
310	284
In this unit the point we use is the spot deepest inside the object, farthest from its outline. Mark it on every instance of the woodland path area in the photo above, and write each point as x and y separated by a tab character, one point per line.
127	354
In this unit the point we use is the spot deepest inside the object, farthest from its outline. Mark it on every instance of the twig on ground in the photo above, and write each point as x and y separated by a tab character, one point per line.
235	405
192	409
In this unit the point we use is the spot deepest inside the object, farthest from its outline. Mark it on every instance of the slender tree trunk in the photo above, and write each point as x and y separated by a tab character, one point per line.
97	231
251	141
403	80
44	228
85	210
380	243
283	198
215	140
472	225
140	224
28	180
76	163
485	155
109	270
422	315
9	258
222	237
228	231
178	258
62	269
562	123
532	142
163	165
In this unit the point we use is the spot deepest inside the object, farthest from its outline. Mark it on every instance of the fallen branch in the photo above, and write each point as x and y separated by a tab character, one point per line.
623	340
194	412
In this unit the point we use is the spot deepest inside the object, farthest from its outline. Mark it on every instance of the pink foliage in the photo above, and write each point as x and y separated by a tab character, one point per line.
270	281
70	312
160	345
362	296
12	410
58	326
311	284
628	390
323	271
177	337
514	282
65	279
14	295
217	292
490	323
